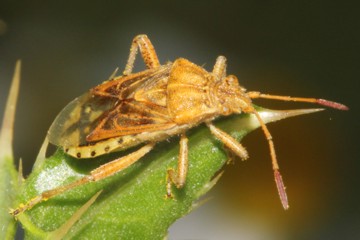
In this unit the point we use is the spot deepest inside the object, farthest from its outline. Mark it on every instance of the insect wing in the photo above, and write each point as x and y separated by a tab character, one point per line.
124	105
75	121
131	117
124	86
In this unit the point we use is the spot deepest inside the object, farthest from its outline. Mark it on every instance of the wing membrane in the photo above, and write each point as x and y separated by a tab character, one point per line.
72	125
131	117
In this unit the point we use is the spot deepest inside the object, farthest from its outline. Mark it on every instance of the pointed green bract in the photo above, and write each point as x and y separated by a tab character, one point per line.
8	174
132	204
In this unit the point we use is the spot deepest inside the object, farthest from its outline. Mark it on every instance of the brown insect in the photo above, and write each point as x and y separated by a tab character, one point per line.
153	105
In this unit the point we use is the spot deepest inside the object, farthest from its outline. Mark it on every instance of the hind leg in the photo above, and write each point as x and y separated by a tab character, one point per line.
97	174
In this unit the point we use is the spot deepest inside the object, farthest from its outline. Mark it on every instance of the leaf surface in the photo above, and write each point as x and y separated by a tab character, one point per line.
132	204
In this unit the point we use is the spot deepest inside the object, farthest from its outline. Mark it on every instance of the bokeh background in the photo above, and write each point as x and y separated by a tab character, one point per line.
298	48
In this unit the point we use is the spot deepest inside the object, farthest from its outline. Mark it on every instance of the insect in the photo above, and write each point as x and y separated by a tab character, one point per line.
153	105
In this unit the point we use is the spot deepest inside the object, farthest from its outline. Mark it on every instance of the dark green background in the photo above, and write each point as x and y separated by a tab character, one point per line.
299	48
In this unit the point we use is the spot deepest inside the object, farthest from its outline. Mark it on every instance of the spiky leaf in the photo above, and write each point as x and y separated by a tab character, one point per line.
132	204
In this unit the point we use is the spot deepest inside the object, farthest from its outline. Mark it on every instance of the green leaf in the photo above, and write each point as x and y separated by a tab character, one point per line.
132	204
8	174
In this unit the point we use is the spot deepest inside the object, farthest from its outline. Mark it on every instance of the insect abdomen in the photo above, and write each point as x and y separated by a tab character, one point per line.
99	148
124	142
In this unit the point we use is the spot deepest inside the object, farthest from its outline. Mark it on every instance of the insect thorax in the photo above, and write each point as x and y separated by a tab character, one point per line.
195	95
189	93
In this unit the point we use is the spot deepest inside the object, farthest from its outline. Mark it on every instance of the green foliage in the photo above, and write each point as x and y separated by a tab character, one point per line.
132	204
8	175
8	186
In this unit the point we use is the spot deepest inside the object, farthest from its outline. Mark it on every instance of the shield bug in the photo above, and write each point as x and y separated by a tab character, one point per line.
153	105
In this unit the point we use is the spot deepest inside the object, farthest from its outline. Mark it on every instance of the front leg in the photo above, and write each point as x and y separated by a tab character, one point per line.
147	51
228	141
178	177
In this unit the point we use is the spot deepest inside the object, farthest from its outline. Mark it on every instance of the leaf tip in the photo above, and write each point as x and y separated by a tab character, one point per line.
42	153
64	229
268	115
21	178
7	128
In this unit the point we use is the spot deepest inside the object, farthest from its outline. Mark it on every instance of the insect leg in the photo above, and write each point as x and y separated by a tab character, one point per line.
229	141
219	69
231	156
323	102
240	151
278	179
178	177
147	51
97	174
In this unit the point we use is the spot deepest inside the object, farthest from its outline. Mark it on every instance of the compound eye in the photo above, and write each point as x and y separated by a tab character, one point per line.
231	80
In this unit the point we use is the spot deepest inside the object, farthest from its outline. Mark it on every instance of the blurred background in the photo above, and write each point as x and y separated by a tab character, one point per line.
297	48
